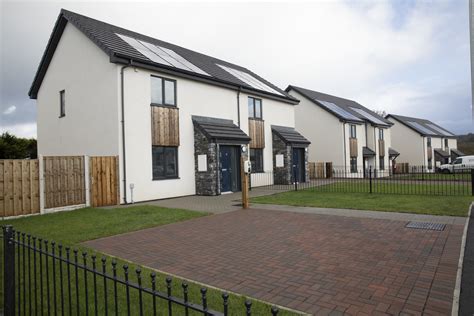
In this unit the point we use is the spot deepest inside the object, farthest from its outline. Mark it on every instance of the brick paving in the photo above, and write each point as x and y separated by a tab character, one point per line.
318	264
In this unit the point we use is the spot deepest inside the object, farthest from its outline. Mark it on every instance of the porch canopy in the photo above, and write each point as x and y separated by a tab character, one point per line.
392	153
220	130
367	152
441	153
456	153
290	136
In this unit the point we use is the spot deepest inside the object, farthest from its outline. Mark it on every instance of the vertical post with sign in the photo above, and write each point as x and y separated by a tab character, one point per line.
244	173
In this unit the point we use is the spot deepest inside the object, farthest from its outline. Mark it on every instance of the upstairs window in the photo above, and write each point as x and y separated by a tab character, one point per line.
163	91
380	134
62	103
446	143
428	141
255	108
353	131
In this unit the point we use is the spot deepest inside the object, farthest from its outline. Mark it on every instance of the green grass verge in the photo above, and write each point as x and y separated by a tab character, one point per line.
72	228
435	176
324	196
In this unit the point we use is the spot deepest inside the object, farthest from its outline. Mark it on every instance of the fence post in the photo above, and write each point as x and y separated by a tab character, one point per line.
9	270
422	173
41	182
370	179
472	182
87	180
294	177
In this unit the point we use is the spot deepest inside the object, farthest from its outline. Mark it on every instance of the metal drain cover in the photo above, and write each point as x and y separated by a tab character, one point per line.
425	225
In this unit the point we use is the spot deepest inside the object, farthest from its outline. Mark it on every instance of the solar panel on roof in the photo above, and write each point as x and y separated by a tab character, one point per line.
161	55
368	116
420	127
249	79
439	130
341	112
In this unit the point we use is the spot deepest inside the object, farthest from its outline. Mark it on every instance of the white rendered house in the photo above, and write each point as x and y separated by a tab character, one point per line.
422	143
343	132
178	120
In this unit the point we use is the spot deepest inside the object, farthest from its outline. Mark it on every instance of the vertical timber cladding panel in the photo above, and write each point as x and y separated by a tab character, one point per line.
64	181
381	148
353	150
257	133
104	181
19	187
165	126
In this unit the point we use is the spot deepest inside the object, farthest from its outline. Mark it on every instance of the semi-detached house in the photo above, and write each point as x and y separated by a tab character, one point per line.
178	120
423	143
343	132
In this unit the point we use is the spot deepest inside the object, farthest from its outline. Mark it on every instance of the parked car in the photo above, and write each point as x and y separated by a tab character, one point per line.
459	164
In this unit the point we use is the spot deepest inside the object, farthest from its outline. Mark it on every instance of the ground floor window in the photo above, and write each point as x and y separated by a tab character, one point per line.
256	159
353	164
430	163
165	162
381	163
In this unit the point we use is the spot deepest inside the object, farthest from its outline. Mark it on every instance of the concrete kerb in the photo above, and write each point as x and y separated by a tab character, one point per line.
457	288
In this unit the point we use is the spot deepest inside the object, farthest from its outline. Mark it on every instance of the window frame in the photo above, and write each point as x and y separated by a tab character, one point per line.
381	163
353	167
428	142
257	170
62	103
446	143
254	116
353	128
165	177
381	134
163	93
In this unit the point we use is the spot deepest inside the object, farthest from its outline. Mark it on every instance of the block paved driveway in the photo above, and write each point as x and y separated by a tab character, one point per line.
318	264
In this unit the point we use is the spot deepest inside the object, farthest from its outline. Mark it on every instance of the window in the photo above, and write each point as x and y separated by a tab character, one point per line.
165	162
353	131
256	159
353	165
255	108
430	164
446	143
380	134
62	103
163	91
428	141
457	161
381	163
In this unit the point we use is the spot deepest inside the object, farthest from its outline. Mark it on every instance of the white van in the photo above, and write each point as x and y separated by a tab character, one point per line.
459	164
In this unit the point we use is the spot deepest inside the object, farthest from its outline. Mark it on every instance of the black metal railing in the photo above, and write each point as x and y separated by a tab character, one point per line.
414	181
45	278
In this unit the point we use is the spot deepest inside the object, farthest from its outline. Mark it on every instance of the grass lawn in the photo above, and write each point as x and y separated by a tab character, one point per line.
325	197
72	228
435	176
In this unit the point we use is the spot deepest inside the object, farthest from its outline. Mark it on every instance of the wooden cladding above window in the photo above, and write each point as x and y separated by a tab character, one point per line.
429	152
353	147
164	126
256	133
381	148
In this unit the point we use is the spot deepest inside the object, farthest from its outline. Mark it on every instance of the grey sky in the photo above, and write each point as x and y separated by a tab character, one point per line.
405	57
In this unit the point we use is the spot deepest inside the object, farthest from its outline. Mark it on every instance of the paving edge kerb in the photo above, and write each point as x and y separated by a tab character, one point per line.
457	288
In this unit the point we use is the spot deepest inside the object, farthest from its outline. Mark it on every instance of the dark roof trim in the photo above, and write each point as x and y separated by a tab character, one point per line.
398	119
393	153
367	152
220	130
66	16
457	152
441	152
290	136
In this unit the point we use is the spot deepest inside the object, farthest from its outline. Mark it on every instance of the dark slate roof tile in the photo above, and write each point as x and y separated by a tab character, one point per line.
290	135
220	129
425	129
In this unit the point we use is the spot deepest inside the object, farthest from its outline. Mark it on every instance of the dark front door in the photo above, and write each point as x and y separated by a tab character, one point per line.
299	165
229	168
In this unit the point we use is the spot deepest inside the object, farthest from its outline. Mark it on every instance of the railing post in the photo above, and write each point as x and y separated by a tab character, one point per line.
9	270
472	182
370	179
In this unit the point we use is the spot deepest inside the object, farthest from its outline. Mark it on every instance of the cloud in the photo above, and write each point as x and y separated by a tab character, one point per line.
27	130
10	110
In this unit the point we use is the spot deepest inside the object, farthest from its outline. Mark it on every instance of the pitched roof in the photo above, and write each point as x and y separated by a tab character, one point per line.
166	57
441	152
290	136
392	152
422	126
345	109
367	152
220	130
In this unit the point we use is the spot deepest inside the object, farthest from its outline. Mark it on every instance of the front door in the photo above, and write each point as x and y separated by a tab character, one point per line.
229	168
299	165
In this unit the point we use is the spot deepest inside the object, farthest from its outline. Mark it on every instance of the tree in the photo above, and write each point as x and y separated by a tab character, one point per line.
382	113
12	147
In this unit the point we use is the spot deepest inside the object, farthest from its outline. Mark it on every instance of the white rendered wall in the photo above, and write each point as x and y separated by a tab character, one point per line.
322	129
90	126
193	98
409	144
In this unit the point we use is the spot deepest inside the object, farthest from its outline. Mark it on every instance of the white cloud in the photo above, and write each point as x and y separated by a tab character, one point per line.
27	130
10	110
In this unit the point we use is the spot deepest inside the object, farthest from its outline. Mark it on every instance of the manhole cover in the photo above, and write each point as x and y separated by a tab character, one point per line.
427	226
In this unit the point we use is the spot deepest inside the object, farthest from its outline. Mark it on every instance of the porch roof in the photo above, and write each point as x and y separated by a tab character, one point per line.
367	152
441	152
290	136
220	130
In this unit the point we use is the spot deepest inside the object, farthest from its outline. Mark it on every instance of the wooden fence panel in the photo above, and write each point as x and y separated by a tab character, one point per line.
19	187
104	181
64	181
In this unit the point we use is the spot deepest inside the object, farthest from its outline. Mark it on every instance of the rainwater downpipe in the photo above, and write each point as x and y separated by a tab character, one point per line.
238	106
124	165
345	150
